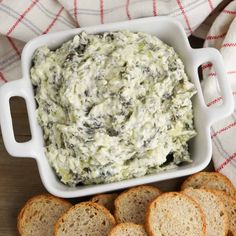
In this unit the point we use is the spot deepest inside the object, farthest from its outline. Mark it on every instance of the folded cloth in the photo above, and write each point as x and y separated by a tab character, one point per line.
24	20
222	36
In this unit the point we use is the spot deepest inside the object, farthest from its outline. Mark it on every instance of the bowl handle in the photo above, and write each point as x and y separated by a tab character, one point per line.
226	108
14	148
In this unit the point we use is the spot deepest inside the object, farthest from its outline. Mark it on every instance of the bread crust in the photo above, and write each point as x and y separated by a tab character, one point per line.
137	189
219	204
104	195
230	186
207	177
190	179
109	197
173	194
97	206
125	225
45	196
225	196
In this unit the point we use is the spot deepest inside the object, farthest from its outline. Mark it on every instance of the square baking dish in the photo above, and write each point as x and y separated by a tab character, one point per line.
169	31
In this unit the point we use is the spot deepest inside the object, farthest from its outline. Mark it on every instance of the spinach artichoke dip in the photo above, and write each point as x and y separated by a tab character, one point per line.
112	106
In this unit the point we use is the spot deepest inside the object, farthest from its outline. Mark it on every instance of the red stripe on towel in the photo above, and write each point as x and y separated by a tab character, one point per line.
127	9
53	21
154	6
206	66
226	162
14	46
21	17
75	9
2	77
229	45
229	12
214	37
101	11
223	129
217	100
214	74
185	16
211	5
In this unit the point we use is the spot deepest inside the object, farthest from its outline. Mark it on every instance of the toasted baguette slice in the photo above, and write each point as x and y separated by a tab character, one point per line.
196	181
217	222
211	180
128	229
106	200
85	219
39	215
175	214
222	184
230	206
131	205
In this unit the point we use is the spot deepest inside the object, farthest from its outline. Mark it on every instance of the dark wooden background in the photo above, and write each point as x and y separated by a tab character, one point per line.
19	177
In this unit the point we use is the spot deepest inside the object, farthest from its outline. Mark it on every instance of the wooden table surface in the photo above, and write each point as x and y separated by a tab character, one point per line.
19	177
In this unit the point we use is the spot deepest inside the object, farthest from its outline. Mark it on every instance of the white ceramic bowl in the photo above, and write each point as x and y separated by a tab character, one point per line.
171	33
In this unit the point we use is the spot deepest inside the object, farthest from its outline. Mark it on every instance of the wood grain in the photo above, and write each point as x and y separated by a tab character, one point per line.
20	118
19	177
19	180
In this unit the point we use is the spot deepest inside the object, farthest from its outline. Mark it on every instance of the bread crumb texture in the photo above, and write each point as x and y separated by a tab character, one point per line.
85	219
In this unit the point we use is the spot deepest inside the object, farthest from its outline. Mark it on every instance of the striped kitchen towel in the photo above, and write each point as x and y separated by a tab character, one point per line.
222	36
21	21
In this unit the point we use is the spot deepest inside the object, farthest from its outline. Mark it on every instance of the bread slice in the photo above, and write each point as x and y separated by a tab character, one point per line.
128	229
196	181
131	205
230	206
221	183
85	219
211	180
39	215
175	214
217	222
106	200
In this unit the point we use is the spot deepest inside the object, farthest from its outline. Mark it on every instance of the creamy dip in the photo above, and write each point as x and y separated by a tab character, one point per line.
112	106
